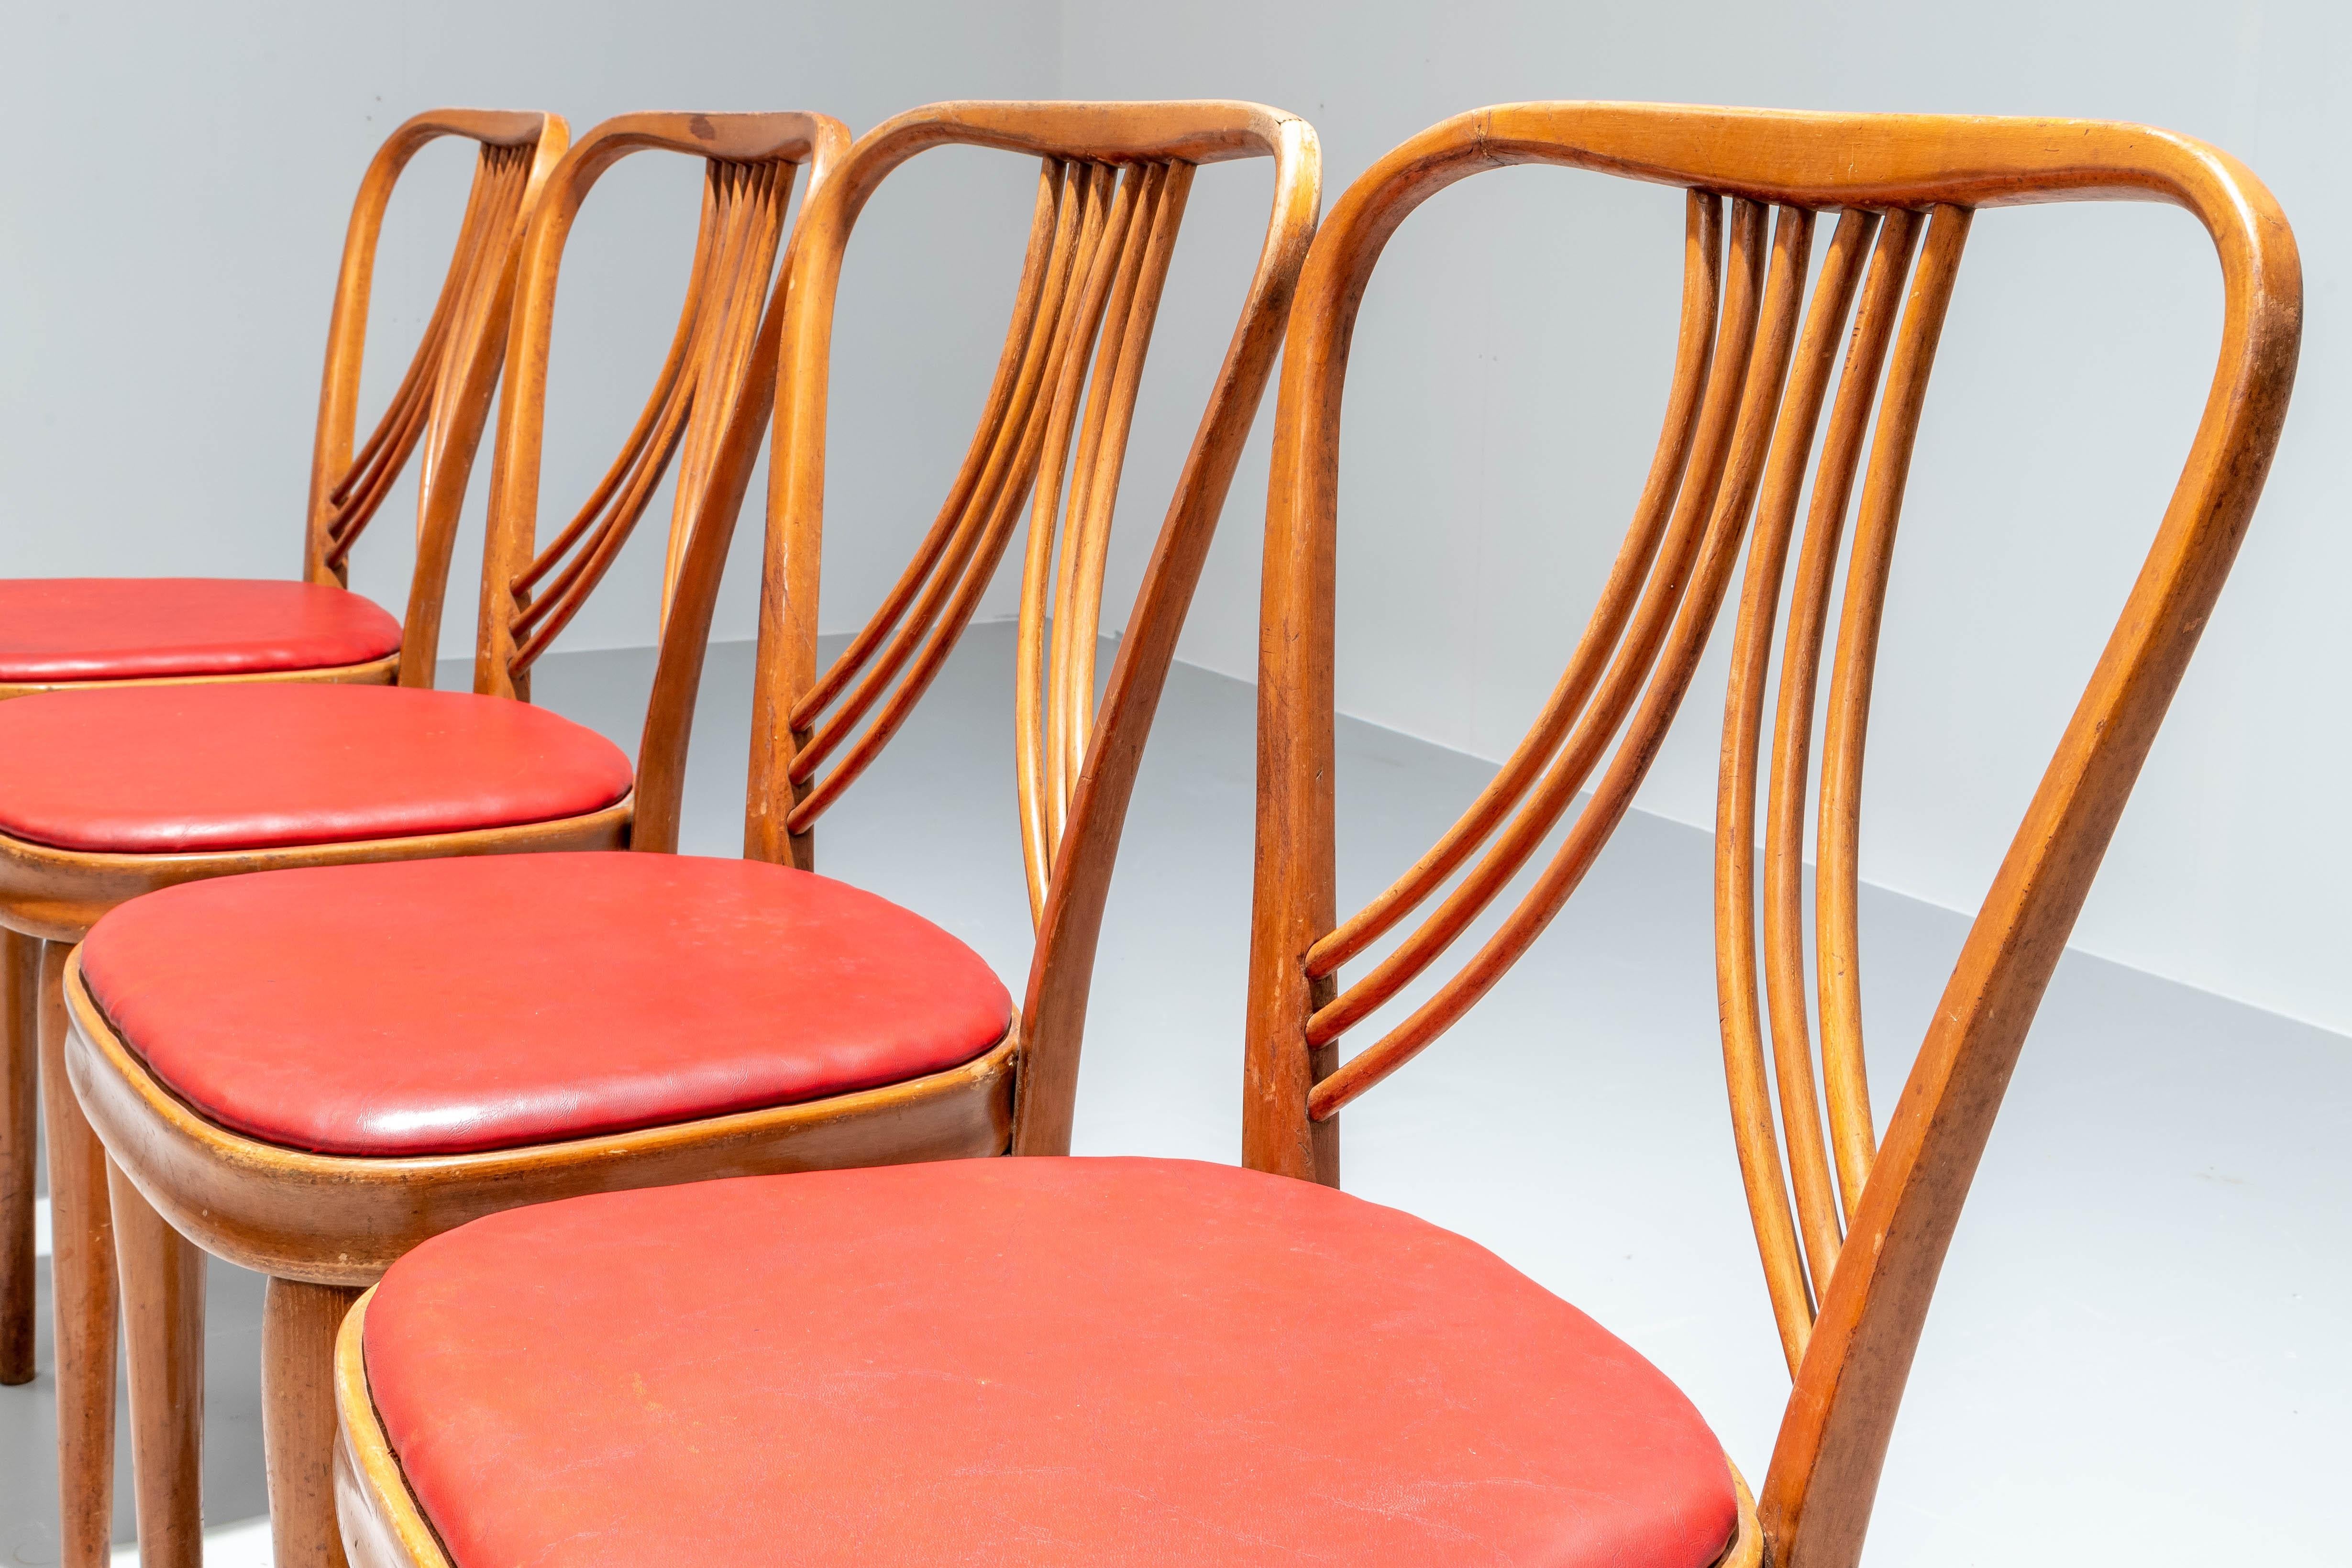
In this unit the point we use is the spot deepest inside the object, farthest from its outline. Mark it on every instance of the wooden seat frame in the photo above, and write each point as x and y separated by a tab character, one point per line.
724	350
1753	375
1110	197
438	410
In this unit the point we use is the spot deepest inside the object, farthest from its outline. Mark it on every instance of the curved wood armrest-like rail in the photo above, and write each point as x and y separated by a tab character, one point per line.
1051	442
1850	1262
443	399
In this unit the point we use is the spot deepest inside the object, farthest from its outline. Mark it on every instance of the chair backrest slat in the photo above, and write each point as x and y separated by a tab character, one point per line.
1851	1234
443	399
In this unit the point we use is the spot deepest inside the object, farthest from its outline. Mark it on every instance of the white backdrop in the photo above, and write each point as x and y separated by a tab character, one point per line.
173	204
1513	356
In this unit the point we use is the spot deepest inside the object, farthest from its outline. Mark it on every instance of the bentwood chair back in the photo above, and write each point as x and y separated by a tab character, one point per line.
1053	437
1850	1265
81	633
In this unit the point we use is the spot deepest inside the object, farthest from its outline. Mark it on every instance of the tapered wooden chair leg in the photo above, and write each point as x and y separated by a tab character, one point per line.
164	1327
297	1419
82	1277
20	989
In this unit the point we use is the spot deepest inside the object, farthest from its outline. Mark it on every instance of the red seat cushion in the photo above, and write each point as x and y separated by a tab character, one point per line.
1022	1362
438	1006
122	628
151	770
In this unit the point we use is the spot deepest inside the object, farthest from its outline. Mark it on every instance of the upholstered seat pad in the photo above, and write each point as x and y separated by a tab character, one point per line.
1020	1362
440	1007
157	769
124	628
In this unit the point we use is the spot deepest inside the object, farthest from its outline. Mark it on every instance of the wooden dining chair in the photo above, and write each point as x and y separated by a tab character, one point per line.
78	633
1124	1361
105	795
310	1072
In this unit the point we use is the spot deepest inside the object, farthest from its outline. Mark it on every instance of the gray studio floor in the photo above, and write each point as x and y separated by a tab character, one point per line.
2140	1349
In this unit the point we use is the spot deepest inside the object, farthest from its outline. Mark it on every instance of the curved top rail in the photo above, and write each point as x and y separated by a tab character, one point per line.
1805	158
1197	131
492	127
790	135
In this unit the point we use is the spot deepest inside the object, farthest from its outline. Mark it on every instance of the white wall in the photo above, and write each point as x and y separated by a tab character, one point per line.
172	207
1514	352
174	203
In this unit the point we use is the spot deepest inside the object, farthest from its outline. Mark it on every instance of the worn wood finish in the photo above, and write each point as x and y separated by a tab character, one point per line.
163	1276
299	1322
1852	1235
82	1294
1052	432
727	343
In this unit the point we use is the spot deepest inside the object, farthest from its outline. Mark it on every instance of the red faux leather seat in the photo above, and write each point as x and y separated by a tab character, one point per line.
442	1007
1029	1361
124	628
152	769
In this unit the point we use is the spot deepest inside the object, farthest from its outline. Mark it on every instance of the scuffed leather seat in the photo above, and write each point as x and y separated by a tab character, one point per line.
152	769
1033	1362
125	629
443	1006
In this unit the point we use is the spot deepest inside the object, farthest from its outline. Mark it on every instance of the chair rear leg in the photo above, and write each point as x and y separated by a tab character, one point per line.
163	1276
82	1277
297	1419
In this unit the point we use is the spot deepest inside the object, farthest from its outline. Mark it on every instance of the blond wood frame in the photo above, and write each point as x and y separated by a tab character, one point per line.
730	327
1748	435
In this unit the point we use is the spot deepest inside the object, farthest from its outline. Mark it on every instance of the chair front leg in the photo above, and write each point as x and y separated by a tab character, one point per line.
20	990
163	1322
81	1278
299	1322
